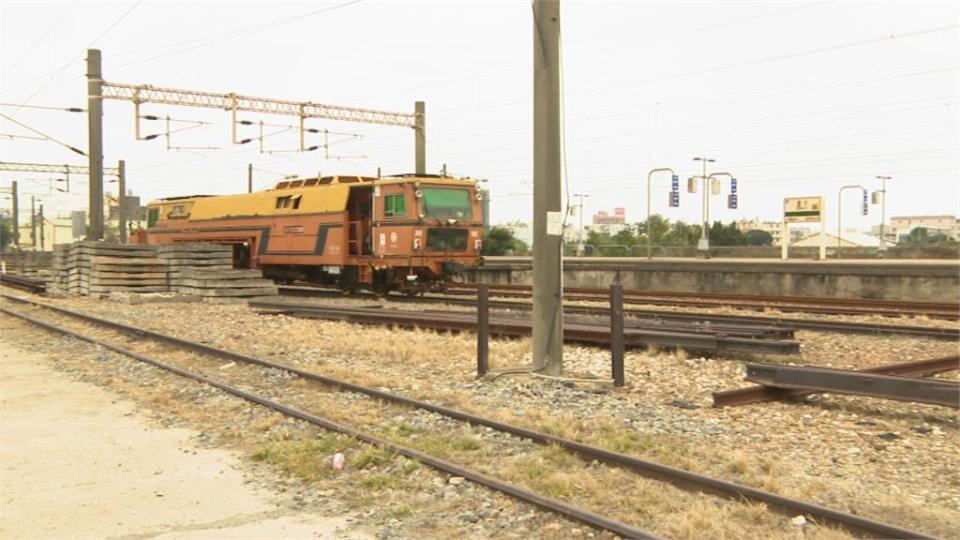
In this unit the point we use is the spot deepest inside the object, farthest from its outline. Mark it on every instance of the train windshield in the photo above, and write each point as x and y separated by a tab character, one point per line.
447	203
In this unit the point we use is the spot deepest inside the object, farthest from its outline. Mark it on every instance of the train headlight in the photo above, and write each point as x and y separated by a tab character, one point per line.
478	244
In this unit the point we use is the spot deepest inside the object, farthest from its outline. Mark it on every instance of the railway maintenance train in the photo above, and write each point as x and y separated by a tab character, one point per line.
408	233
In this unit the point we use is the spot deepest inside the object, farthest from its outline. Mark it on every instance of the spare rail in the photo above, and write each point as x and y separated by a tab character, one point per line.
758	394
21	283
842	381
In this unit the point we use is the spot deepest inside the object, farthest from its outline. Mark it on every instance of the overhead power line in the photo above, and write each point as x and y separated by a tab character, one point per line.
44	135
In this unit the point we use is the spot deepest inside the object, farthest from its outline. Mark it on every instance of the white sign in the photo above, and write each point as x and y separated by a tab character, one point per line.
555	223
802	209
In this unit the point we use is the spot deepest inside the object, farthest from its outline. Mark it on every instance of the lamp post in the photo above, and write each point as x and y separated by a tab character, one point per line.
580	248
703	246
840	214
649	204
883	211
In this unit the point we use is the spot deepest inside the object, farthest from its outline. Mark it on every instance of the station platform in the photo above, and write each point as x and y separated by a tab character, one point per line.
929	280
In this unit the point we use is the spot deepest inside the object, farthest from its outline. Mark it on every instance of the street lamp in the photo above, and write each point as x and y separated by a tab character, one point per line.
580	248
674	197
703	246
840	212
883	210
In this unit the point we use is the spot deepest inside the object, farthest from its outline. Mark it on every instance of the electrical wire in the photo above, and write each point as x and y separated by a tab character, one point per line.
43	107
39	40
44	135
91	44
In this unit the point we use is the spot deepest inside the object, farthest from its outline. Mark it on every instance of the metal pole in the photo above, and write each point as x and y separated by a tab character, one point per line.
704	245
249	177
420	138
883	212
840	215
122	210
95	144
580	248
616	333
649	206
483	329
16	215
33	222
547	189
43	236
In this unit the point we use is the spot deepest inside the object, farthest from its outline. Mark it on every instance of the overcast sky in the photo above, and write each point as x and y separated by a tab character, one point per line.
793	98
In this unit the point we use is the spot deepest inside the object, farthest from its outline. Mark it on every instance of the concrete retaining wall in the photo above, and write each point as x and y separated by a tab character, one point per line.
937	281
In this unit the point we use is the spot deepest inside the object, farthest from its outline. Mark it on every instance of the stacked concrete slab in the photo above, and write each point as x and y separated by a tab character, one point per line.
183	257
202	270
236	283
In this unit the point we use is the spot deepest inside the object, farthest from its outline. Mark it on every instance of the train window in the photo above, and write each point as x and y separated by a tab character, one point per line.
284	202
447	203
326	180
296	183
311	182
153	217
296	202
282	185
394	205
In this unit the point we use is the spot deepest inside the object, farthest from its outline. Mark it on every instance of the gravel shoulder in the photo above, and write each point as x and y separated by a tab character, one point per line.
78	463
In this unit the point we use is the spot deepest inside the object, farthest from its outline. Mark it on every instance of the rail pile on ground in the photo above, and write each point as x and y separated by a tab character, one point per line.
755	339
181	258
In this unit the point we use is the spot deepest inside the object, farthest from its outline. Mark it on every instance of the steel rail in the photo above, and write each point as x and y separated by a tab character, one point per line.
757	394
548	503
573	332
22	283
844	381
784	304
678	477
791	323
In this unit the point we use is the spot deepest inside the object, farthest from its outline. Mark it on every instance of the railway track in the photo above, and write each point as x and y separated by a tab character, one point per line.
752	339
22	283
677	477
664	316
786	304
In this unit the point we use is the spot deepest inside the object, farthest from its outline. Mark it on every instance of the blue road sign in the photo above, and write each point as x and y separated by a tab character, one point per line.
733	186
675	198
675	183
732	201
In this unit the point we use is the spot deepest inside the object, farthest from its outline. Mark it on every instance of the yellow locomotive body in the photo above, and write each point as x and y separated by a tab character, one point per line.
402	232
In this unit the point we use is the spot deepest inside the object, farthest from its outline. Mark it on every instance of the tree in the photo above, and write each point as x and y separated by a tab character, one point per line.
921	236
725	235
756	237
498	240
682	234
659	227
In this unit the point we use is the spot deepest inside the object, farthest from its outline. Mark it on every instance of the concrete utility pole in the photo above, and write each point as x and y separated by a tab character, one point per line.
122	201
16	215
95	143
883	211
703	246
250	177
420	137
547	189
580	248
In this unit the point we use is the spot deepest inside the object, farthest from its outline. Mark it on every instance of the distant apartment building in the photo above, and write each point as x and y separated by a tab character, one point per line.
900	226
607	223
774	229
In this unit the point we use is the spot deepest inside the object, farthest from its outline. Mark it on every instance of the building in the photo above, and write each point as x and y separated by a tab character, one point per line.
900	226
849	239
606	223
774	229
65	229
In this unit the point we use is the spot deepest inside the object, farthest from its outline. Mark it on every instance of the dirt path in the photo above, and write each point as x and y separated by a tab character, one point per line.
77	463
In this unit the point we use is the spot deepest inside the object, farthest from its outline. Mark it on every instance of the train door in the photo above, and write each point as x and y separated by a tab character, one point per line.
358	221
